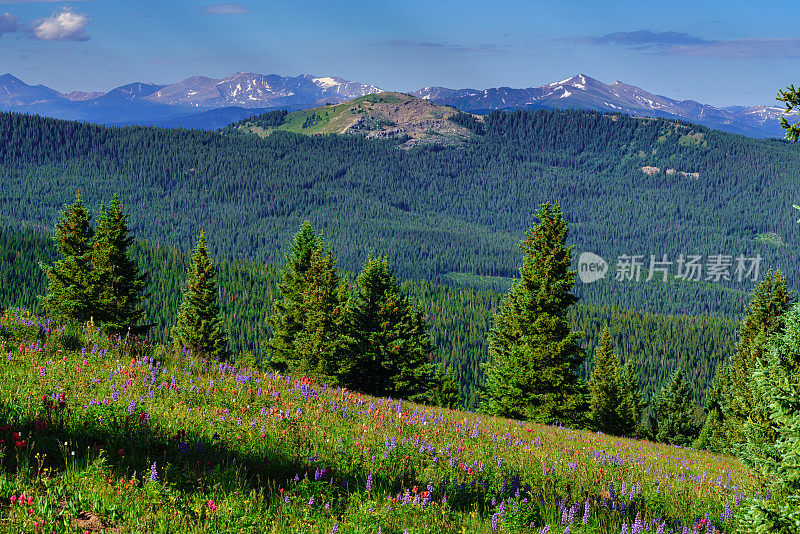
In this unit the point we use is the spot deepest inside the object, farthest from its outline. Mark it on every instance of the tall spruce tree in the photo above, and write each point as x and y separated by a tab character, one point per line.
199	326
533	373
771	300
321	343
772	446
389	353
117	284
604	388
289	312
70	295
674	420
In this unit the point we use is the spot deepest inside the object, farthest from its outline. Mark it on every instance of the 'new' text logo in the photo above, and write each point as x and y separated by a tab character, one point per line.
591	267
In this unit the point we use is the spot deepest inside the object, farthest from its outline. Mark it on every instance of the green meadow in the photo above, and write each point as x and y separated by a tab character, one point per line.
108	434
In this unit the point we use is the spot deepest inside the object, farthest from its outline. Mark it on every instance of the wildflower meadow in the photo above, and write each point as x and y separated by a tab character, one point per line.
110	434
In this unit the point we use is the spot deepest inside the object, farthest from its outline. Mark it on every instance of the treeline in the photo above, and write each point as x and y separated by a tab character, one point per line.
459	318
431	211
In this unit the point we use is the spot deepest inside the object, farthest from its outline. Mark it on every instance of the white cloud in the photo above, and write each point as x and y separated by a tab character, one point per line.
64	26
226	9
8	23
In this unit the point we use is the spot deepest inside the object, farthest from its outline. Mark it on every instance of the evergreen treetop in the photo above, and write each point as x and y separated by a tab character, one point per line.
604	387
389	352
533	373
118	285
199	325
69	296
289	314
771	300
674	413
319	346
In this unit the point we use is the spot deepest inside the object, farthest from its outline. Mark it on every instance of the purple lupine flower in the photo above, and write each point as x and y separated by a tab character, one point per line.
727	515
624	528
586	511
335	529
369	483
638	525
495	522
153	472
572	511
311	501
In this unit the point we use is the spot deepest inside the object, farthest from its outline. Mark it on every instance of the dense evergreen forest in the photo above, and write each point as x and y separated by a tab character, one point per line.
438	214
459	317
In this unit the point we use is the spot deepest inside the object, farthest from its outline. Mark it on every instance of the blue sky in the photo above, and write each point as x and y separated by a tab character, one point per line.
721	53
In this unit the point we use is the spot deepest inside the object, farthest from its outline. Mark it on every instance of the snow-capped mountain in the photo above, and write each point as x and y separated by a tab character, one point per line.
145	103
250	90
202	102
584	92
14	92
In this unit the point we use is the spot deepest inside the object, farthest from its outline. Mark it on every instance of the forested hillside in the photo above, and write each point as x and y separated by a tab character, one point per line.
626	186
459	318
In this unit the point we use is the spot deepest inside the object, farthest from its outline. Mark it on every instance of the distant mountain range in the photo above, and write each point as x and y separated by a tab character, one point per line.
584	92
196	102
208	103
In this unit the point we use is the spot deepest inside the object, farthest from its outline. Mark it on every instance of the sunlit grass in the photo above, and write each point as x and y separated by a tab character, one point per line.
112	434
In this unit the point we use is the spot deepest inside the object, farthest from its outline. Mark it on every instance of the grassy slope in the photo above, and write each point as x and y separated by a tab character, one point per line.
130	437
380	113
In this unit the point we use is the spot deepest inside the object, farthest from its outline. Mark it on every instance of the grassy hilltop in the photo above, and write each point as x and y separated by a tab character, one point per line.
377	116
106	434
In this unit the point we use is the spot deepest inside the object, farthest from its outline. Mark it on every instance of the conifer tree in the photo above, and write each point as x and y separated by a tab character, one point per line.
604	388
771	300
117	284
320	345
289	316
674	413
714	434
199	326
632	404
772	446
533	373
69	294
443	391
389	352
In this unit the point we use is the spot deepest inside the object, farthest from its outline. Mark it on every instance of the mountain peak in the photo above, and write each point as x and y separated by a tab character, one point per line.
9	78
376	116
